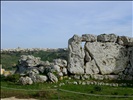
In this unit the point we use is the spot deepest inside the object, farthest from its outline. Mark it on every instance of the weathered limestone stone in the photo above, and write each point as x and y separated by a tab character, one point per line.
76	76
91	68
98	77
60	62
44	63
131	56
128	72
112	77
86	76
41	78
76	56
89	38
60	74
41	69
56	68
52	77
83	83
25	80
87	57
38	78
27	62
109	57
124	40
75	83
64	71
107	38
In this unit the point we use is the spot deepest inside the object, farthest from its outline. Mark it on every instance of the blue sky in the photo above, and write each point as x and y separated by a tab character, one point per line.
49	24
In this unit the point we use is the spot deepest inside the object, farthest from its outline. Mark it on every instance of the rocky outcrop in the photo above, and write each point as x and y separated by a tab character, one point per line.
106	55
107	38
52	77
60	67
25	80
89	38
125	41
103	57
33	69
109	57
127	74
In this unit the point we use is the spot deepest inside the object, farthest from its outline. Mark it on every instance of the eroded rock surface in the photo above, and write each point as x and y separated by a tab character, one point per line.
33	70
107	56
76	55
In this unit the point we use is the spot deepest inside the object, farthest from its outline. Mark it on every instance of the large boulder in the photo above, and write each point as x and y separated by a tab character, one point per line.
34	75
131	56
56	68
44	63
64	71
128	72
89	38
107	38
91	68
60	62
124	40
109	57
41	78
76	55
25	80
29	62
52	77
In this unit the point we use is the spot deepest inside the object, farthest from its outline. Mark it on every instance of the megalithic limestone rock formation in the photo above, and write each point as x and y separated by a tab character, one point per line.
105	54
109	57
76	55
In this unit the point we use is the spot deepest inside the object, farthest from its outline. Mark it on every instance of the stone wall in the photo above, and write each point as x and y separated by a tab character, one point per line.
106	56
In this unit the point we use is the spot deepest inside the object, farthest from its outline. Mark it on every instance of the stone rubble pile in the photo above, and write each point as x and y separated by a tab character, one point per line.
104	56
33	70
95	83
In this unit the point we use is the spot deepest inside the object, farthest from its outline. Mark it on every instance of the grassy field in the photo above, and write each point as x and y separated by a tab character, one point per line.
52	91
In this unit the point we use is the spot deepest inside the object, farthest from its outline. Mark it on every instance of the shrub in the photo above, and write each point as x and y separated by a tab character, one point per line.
125	94
12	78
115	93
91	91
97	88
2	77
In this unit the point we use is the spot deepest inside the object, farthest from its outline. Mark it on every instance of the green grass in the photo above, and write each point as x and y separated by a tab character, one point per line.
45	93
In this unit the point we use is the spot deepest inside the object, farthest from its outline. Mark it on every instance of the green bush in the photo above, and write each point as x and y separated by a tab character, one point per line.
12	78
2	78
115	93
91	91
97	88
